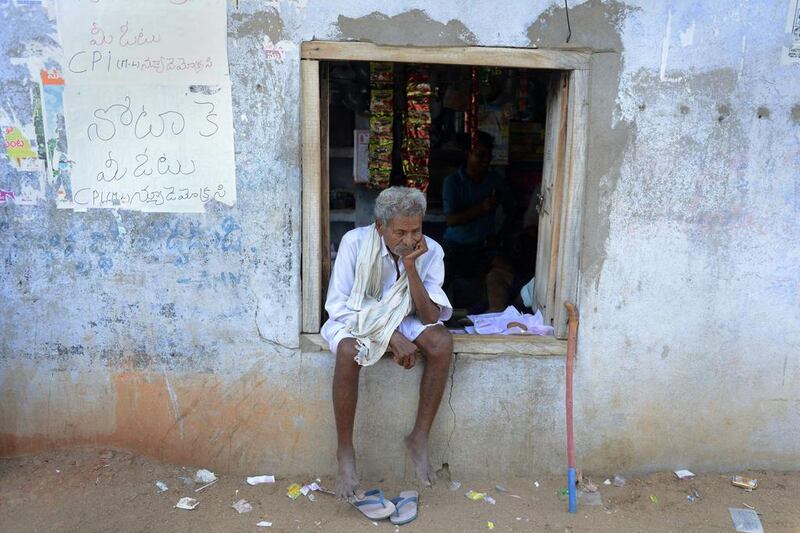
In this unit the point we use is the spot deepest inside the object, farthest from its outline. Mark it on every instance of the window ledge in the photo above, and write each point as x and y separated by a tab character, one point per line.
478	346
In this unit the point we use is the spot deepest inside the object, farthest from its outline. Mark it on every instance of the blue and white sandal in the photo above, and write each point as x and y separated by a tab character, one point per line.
373	508
406	508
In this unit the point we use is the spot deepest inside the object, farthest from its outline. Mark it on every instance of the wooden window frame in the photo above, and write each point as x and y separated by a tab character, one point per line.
564	172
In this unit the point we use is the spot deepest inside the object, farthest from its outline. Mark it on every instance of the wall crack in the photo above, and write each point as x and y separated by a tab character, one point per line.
450	405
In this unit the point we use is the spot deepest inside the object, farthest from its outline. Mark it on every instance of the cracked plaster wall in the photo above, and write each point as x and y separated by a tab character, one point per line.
689	282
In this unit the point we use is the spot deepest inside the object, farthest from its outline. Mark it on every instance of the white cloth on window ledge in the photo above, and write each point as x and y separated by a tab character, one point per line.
508	322
352	295
527	293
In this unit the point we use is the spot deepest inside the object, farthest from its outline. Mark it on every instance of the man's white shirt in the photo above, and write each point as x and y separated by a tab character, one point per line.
430	267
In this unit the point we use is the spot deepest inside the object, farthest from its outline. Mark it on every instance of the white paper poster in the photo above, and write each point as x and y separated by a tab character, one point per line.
143	41
150	148
147	104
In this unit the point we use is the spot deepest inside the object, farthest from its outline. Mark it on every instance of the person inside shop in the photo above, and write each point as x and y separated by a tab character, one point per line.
470	198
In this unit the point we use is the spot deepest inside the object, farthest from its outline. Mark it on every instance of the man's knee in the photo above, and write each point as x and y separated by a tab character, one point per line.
346	353
437	343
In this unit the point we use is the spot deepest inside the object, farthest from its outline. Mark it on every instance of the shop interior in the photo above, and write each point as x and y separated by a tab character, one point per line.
413	125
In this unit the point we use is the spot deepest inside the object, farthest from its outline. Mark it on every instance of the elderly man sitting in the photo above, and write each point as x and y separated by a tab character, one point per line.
386	292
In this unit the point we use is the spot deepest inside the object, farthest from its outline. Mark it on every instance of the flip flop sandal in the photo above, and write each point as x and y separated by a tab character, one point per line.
406	508
373	508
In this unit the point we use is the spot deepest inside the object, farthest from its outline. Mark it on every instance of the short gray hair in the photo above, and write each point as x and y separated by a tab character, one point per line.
399	201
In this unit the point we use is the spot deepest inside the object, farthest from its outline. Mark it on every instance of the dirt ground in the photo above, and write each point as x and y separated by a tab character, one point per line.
103	490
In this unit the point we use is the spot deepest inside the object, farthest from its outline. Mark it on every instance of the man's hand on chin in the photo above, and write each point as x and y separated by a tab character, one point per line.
403	350
419	249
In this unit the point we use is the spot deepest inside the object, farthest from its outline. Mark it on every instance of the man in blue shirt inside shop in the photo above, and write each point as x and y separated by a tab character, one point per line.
470	197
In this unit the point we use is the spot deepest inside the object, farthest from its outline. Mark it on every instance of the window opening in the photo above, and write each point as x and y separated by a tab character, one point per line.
483	188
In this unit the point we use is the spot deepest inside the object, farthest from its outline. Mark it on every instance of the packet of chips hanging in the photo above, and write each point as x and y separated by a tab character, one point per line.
419	106
418	84
382	101
415	160
417	128
381	123
381	152
380	127
381	73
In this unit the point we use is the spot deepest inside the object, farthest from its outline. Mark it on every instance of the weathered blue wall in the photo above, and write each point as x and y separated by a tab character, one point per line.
178	334
173	289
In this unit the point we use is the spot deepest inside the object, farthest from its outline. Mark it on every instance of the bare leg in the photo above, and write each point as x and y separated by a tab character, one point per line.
436	344
345	398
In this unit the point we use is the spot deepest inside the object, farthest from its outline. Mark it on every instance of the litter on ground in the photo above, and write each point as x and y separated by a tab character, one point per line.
187	503
204	487
257	480
264	523
746	520
161	486
475	495
242	506
454	485
293	491
306	489
746	483
205	476
619	481
699	505
684	474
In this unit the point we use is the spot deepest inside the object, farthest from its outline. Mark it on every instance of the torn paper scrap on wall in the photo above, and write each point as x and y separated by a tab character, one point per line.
59	165
20	149
6	196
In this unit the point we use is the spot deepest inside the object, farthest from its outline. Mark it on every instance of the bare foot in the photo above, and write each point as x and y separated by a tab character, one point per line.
346	479
417	445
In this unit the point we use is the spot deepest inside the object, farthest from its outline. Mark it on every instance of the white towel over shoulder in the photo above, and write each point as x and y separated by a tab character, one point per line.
377	317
